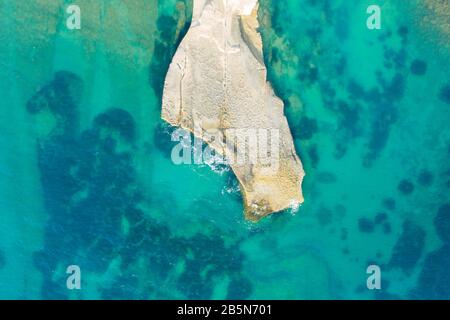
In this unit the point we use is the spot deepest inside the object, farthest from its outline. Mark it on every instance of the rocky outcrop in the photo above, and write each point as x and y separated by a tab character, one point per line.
216	88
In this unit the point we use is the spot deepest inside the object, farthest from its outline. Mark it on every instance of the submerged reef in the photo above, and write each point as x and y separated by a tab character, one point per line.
444	94
96	216
434	276
408	248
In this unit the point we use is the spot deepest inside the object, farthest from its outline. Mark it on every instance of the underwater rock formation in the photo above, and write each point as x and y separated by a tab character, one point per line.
217	88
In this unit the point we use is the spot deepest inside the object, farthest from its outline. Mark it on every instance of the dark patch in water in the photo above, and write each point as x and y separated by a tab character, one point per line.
324	216
383	294
394	90
307	73
403	31
61	96
442	222
425	178
326	177
117	120
163	52
239	288
366	225
389	203
360	289
166	44
385	35
313	155
380	217
434	277
340	150
444	94
382	105
406	187
349	116
356	90
344	234
409	247
341	65
418	67
400	59
305	129
387	228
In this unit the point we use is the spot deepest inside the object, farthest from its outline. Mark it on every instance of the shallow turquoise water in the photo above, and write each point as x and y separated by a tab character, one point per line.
86	176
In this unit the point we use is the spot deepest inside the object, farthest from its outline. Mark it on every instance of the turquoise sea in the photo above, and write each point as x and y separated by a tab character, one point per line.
86	176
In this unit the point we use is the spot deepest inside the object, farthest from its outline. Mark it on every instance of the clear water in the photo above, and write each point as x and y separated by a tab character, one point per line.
86	177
